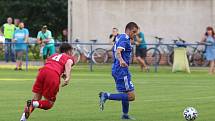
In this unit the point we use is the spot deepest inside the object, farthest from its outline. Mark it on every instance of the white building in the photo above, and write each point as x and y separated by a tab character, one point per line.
94	19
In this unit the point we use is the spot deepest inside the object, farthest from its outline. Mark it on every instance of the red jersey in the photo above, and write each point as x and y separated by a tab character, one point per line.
57	62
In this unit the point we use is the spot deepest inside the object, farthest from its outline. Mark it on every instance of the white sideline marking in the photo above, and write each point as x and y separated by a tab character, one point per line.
184	99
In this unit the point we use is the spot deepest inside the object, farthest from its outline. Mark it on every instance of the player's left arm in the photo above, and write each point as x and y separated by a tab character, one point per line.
26	36
68	68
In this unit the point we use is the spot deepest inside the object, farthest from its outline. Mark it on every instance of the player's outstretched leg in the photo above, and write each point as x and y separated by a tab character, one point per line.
124	97
32	104
27	111
104	96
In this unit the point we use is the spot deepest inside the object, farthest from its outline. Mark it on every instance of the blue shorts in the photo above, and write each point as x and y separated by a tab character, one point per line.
123	81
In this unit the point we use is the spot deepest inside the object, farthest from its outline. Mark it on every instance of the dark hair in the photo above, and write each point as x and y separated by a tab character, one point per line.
65	47
131	25
44	27
209	28
115	28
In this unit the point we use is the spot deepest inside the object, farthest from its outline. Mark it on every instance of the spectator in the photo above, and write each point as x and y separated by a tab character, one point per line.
112	37
141	50
1	42
65	35
21	35
44	37
8	31
16	23
209	37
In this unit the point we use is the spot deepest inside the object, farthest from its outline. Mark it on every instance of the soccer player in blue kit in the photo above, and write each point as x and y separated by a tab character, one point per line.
122	53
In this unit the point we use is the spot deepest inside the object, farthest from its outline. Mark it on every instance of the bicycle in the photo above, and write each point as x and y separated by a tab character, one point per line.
153	55
98	55
196	56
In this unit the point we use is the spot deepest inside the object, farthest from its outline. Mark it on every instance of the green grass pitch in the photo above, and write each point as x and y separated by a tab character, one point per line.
160	96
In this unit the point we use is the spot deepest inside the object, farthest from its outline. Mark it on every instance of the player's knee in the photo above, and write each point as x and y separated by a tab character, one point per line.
131	96
49	106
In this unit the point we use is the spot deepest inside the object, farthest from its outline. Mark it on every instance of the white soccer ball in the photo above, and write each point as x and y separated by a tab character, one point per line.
190	114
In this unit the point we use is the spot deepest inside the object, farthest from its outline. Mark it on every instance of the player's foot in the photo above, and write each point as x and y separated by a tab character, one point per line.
28	109
23	117
102	100
127	117
15	69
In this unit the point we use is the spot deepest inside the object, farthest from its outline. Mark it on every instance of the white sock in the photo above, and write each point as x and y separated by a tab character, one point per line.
35	104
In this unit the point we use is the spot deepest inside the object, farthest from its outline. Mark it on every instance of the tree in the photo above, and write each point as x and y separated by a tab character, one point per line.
35	13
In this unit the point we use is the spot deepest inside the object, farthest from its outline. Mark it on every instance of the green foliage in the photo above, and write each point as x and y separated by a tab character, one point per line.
36	13
34	52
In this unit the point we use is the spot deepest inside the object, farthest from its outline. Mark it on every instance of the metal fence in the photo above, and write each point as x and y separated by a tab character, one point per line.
91	47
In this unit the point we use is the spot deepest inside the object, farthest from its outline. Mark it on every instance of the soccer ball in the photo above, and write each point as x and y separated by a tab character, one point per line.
190	113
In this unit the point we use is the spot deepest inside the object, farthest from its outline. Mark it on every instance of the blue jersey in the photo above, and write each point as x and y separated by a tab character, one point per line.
19	36
122	41
120	74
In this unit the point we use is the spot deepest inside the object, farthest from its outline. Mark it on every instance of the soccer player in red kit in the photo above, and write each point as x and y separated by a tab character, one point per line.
48	80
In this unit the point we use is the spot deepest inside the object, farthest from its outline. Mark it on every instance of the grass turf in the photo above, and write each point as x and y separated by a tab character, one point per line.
160	96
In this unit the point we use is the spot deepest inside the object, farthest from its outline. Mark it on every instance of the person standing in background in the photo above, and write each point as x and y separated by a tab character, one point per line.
8	31
65	35
44	37
16	23
141	50
21	35
112	37
209	38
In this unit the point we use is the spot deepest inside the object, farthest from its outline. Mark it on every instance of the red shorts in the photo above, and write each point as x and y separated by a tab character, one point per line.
47	83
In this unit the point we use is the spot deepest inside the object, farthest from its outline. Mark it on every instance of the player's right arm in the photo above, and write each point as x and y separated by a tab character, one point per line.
68	68
119	56
39	41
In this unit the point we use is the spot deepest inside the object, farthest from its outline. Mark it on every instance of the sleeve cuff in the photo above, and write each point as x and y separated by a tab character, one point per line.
121	48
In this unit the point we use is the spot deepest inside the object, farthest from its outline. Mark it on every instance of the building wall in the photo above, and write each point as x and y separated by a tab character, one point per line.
94	19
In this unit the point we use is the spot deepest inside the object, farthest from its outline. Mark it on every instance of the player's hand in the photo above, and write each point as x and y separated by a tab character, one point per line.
65	83
64	76
46	41
123	63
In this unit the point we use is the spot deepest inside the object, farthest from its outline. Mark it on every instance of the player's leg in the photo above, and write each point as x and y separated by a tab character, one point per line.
36	102
123	84
29	108
45	104
45	52
7	49
211	67
140	54
19	59
52	50
49	91
125	106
